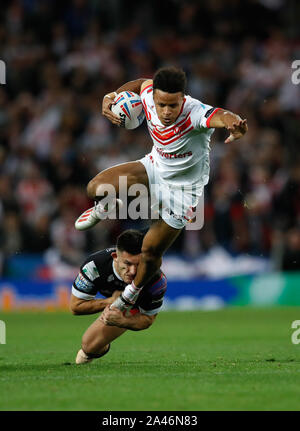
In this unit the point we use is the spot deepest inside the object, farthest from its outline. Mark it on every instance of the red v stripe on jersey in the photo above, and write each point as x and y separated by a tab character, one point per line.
177	130
148	116
182	107
172	140
163	132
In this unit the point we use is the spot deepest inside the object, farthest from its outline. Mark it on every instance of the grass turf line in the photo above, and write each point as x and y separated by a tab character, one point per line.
233	359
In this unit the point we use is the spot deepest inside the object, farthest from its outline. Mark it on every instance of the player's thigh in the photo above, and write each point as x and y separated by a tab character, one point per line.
159	238
99	334
132	173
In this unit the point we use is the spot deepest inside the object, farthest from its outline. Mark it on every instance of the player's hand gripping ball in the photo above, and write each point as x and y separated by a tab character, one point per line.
128	106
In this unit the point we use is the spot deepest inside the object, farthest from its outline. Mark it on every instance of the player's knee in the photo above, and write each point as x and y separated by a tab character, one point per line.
87	345
90	343
90	347
74	310
91	188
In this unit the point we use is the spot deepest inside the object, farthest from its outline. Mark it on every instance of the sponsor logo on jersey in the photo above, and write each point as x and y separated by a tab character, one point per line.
209	112
173	155
82	283
90	270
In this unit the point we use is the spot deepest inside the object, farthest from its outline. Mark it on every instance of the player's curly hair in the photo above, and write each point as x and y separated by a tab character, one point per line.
130	241
170	80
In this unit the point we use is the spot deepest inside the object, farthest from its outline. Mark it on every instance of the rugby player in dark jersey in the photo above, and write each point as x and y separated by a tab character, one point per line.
108	272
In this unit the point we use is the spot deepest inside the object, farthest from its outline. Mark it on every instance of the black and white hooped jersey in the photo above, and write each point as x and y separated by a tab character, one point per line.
98	275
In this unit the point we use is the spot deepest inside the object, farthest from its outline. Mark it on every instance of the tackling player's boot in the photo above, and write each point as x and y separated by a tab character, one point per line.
93	215
84	358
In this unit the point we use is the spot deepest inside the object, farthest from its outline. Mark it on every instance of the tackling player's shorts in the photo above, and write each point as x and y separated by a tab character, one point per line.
174	204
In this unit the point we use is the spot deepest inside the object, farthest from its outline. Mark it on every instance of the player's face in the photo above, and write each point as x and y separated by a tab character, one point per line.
168	106
126	265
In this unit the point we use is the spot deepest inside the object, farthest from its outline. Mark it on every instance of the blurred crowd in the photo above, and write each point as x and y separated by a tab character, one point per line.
63	57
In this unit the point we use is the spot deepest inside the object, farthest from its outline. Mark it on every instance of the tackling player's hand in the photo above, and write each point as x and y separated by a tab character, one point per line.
106	111
112	316
237	130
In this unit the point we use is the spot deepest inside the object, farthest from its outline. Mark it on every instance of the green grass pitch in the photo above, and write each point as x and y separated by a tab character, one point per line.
233	359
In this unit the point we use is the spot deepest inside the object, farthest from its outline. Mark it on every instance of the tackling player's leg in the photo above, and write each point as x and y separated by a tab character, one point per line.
134	172
96	341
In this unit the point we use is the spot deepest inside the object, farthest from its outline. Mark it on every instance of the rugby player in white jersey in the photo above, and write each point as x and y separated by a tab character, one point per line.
180	128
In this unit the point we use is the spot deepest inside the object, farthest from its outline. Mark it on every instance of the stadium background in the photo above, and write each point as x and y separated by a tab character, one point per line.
61	58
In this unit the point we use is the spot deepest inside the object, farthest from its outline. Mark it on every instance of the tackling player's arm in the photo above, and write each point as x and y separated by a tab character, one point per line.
136	322
79	306
230	121
108	100
149	306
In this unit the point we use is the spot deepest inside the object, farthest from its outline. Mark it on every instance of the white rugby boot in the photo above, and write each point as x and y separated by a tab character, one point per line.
83	358
93	215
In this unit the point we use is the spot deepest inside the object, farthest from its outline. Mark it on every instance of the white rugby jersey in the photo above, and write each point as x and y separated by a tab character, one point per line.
181	151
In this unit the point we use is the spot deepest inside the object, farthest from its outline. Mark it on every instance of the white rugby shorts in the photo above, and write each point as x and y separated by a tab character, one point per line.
174	204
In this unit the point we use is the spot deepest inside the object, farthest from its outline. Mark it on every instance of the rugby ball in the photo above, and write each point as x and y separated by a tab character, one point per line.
128	106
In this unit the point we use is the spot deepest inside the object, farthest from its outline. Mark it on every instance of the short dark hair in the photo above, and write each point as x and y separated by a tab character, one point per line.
131	241
170	80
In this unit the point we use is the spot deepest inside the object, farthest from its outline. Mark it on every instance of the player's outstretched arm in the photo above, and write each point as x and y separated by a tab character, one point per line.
80	306
136	322
230	121
108	99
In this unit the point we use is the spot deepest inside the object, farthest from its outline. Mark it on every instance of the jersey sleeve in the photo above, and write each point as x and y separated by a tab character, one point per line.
84	286
201	115
152	302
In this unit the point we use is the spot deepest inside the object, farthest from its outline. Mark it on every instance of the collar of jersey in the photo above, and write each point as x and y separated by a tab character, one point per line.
115	271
